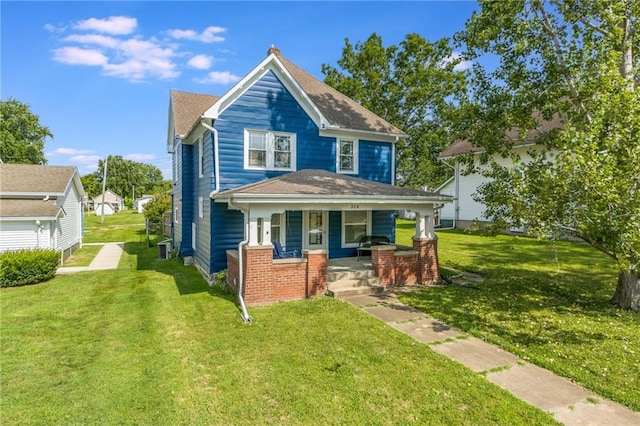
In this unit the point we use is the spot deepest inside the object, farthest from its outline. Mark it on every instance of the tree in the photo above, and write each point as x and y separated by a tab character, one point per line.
155	208
573	60
22	137
92	185
414	87
126	176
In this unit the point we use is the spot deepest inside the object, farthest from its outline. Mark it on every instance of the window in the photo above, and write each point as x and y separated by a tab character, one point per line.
269	150
355	225
200	157
347	156
200	207
175	215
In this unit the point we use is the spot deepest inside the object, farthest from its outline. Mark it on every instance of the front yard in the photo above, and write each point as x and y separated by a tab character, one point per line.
151	343
546	302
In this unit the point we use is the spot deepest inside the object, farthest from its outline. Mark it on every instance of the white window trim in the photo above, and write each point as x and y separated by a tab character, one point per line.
200	157
355	156
175	214
270	148
200	207
282	226
342	229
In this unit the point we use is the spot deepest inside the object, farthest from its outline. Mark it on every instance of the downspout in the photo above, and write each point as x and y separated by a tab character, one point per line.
216	160
245	213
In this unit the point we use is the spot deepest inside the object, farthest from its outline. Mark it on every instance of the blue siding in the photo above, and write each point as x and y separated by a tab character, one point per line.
177	197
374	161
187	201
202	188
226	232
383	222
294	231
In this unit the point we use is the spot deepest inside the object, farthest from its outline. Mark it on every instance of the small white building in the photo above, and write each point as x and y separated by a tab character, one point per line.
40	207
115	202
139	203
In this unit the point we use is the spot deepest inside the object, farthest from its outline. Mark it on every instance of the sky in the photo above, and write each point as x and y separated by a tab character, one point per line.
98	73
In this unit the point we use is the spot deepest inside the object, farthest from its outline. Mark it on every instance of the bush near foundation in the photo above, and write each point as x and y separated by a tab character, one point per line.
21	267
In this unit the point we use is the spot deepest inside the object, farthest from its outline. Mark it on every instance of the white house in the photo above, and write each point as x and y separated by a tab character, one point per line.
113	201
139	203
465	210
40	207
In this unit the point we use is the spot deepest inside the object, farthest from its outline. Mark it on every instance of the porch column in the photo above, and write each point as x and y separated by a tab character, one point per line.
253	230
424	223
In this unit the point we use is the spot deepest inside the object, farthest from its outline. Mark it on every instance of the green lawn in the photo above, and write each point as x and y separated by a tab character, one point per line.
124	226
83	256
151	343
546	302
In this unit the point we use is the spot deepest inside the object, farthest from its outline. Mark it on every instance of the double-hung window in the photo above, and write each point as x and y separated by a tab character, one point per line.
347	156
266	150
355	225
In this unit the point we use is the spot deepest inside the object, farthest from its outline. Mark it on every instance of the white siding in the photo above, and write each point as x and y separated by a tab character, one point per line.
15	235
70	226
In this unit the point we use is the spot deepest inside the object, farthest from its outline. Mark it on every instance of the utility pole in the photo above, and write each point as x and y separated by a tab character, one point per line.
104	187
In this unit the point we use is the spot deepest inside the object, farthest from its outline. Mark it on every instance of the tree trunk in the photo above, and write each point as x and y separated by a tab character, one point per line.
627	294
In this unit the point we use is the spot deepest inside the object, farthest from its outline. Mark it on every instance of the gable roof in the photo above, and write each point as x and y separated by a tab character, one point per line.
311	184
330	109
29	208
187	108
544	126
26	179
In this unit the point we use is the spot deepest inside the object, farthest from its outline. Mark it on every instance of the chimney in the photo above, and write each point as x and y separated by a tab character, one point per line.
274	50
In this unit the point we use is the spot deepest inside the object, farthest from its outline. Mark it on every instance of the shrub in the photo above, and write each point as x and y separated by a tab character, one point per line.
154	209
22	267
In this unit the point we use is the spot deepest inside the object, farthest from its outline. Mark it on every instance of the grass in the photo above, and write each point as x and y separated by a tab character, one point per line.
151	343
123	226
546	302
83	256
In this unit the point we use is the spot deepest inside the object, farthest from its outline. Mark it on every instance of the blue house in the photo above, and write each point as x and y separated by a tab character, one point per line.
283	157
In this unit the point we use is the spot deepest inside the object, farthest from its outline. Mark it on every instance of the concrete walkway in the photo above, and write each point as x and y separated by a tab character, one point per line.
107	258
568	402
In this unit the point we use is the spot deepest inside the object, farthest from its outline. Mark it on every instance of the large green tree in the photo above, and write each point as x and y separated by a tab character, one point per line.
126	176
414	87
576	60
22	137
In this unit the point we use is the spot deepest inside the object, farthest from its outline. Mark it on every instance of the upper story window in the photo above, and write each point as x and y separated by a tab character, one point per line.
200	157
269	150
347	156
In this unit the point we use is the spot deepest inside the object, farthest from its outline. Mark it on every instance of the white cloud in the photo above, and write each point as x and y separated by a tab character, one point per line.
117	25
54	29
85	159
461	64
209	35
98	39
201	62
140	157
70	151
216	77
78	56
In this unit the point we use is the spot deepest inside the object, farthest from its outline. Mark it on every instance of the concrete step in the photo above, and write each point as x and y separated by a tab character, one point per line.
337	274
353	282
343	292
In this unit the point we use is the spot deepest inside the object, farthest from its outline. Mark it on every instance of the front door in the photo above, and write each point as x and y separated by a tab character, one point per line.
315	232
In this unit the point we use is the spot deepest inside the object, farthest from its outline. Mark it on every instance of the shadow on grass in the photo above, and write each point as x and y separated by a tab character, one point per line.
144	257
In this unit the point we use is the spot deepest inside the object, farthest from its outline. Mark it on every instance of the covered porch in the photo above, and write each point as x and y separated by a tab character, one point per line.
318	195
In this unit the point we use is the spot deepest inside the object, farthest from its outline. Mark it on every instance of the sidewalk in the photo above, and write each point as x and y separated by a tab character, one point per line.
107	258
568	402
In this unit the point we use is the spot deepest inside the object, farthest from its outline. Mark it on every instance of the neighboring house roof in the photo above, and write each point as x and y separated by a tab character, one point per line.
314	184
187	107
25	208
26	179
545	126
98	197
336	111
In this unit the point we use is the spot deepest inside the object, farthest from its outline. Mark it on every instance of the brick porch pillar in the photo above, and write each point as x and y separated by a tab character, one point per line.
383	261
257	265
316	272
429	270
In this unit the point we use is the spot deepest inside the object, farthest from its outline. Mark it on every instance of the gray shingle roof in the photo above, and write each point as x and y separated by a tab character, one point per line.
28	208
32	178
187	107
322	182
545	126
